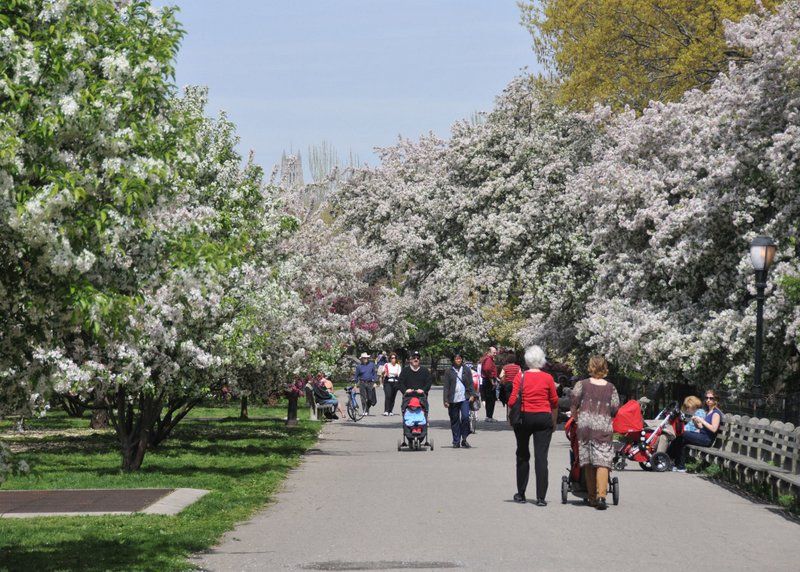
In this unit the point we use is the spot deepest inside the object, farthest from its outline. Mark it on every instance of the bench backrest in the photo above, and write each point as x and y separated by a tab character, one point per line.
772	442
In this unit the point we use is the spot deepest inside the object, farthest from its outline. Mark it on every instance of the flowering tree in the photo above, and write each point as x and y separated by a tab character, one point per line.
83	86
131	227
478	234
677	195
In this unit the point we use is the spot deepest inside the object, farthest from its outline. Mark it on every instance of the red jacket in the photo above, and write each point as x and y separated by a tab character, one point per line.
538	392
488	369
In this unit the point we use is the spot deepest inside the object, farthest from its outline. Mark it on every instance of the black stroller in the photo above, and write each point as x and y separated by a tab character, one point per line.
415	434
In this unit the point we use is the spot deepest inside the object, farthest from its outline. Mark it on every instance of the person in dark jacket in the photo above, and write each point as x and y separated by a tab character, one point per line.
365	378
323	396
415	378
458	392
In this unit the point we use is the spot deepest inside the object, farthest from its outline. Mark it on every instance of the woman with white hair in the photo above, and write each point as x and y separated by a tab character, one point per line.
538	412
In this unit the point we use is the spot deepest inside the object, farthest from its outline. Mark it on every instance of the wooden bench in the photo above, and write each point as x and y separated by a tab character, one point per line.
752	450
316	410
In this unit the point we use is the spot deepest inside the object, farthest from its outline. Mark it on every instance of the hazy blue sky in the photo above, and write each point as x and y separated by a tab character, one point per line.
356	73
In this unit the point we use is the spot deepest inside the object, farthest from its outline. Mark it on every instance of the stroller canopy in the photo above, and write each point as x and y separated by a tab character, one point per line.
629	418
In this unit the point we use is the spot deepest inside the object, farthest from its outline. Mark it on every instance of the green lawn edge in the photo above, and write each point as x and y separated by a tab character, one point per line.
242	462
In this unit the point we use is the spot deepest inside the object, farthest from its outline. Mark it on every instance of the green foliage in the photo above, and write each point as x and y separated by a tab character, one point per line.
713	471
788	501
791	284
628	53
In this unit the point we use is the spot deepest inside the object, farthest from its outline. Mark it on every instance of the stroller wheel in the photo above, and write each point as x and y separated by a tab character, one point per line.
619	464
615	490
646	466
564	489
661	462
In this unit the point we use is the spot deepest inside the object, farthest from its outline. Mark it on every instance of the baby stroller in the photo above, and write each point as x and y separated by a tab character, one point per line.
639	442
415	434
575	482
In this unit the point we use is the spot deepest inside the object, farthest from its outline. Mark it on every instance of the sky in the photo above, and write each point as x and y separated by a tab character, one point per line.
354	73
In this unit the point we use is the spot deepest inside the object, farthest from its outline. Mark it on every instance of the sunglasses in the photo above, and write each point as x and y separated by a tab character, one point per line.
710	398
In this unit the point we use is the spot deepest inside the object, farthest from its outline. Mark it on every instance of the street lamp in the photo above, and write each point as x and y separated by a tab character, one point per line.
762	252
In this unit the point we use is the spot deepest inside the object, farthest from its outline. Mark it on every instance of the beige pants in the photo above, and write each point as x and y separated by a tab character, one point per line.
596	482
665	439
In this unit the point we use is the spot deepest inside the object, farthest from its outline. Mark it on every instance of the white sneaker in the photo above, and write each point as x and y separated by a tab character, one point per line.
386	414
391	413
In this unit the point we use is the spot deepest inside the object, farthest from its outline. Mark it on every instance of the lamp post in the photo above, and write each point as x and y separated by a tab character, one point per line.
762	252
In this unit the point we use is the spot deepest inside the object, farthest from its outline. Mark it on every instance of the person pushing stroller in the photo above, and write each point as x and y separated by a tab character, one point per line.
415	382
414	379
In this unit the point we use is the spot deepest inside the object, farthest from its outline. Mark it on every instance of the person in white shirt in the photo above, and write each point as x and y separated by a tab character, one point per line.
391	375
458	391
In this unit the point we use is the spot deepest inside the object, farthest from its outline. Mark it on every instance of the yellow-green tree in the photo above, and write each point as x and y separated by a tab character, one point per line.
628	52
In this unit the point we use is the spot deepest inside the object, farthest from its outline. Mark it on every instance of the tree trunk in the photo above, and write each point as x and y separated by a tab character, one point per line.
99	419
134	422
243	411
166	423
291	415
72	408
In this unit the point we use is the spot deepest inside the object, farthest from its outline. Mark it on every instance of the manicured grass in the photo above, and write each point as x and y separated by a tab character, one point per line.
241	462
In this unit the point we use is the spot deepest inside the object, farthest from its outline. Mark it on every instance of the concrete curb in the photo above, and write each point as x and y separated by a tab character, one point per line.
170	505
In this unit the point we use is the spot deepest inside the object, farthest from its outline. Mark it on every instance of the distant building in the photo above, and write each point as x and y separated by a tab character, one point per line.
291	172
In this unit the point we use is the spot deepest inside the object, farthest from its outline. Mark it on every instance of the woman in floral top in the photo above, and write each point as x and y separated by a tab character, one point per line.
594	403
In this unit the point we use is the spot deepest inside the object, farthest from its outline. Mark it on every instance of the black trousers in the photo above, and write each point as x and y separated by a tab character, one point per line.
368	397
390	390
488	396
676	449
540	426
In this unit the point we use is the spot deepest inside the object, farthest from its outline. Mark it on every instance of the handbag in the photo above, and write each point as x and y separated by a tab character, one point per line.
515	413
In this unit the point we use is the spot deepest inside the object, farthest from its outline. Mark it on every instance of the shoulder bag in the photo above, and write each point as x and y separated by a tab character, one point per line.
516	411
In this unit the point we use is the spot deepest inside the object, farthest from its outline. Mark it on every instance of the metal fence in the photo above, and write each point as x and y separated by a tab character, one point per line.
781	407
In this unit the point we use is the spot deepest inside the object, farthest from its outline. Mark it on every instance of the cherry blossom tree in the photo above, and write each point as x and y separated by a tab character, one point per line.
676	195
477	232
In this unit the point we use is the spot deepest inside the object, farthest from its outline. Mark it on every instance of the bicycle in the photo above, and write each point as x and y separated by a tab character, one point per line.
354	410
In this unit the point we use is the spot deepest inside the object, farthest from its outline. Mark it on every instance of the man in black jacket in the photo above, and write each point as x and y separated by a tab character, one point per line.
415	381
415	378
458	392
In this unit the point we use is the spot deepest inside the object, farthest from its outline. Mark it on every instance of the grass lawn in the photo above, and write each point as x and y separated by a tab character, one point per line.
242	463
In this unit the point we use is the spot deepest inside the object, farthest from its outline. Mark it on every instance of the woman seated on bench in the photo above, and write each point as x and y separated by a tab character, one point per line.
323	394
708	426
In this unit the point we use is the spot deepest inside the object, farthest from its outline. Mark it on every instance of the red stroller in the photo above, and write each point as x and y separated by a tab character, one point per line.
575	482
639	442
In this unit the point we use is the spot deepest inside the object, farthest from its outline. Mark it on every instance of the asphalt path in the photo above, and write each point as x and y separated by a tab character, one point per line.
356	503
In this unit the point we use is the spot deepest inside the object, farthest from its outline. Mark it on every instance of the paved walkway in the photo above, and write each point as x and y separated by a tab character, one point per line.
358	504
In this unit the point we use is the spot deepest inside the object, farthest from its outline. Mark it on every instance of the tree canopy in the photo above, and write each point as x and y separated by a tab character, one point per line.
631	52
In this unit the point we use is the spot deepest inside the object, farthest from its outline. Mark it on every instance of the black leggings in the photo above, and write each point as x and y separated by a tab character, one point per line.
390	390
540	426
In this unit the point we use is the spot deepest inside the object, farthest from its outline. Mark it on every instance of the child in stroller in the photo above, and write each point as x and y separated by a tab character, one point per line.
575	482
415	423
